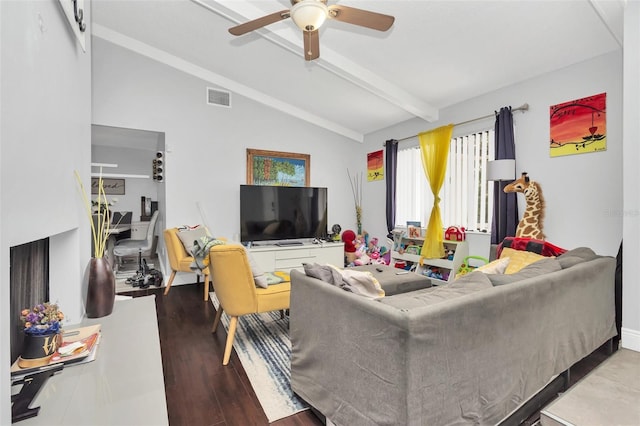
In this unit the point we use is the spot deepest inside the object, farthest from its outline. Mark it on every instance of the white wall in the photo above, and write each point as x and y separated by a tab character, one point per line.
206	145
44	137
631	211
583	192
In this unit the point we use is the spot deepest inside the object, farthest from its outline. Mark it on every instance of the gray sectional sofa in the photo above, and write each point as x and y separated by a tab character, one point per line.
470	352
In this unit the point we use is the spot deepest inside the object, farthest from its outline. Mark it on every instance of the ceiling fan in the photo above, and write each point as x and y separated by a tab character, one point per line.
309	15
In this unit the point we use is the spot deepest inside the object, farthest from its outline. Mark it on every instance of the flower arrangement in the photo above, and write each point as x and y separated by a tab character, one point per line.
100	226
43	318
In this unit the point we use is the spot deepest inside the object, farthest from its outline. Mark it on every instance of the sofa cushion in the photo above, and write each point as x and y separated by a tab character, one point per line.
569	261
467	284
498	266
584	253
475	279
543	266
518	259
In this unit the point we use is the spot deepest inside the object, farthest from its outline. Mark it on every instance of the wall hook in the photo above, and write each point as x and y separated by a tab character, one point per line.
79	16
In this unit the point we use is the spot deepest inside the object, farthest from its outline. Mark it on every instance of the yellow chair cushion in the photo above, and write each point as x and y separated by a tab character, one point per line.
273	298
518	259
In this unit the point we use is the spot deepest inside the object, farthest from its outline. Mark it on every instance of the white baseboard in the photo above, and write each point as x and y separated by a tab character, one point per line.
630	339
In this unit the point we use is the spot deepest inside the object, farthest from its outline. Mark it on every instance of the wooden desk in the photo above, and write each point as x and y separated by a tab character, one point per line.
125	383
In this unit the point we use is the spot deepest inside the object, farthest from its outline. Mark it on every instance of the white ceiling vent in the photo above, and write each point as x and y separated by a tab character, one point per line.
218	97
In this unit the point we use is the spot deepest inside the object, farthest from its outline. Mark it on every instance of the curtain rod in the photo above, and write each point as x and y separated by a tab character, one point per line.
523	107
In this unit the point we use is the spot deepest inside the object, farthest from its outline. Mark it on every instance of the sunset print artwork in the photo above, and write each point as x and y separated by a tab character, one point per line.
579	126
374	166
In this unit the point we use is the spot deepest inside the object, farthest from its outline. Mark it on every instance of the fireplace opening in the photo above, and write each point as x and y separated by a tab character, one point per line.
28	285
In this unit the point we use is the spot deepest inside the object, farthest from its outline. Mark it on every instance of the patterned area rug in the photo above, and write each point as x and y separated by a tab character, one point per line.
263	346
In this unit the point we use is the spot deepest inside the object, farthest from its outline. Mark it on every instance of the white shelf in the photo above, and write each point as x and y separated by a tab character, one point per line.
447	266
119	175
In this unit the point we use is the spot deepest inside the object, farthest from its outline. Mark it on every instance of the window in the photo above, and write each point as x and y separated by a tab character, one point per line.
466	196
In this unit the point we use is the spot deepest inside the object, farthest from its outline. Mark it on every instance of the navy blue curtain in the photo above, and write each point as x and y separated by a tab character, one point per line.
390	173
505	206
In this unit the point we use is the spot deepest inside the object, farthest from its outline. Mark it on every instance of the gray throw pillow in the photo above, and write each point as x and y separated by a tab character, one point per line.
476	279
189	236
258	275
541	267
324	273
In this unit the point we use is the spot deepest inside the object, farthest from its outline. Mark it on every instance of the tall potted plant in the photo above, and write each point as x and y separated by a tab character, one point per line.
99	277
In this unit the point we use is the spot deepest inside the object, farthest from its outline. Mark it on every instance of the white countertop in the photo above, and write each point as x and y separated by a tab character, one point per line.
124	385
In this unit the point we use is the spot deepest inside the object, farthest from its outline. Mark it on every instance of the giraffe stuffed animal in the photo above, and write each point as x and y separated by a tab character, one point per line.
530	225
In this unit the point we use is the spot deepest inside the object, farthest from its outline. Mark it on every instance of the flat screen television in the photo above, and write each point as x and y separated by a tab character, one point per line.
270	213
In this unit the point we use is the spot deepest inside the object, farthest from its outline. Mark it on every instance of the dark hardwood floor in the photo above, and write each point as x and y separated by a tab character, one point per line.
201	391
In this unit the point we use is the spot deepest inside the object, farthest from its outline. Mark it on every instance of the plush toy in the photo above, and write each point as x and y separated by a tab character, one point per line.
362	258
372	248
385	256
530	225
349	240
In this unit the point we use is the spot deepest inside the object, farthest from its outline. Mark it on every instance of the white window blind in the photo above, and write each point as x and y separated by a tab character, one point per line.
466	198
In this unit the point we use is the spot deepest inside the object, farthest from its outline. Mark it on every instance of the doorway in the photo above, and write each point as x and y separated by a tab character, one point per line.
134	161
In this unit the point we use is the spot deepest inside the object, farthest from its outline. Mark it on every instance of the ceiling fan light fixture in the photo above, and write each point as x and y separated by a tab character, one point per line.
309	15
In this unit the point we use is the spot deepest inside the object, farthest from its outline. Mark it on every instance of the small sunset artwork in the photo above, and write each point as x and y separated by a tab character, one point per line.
578	126
375	162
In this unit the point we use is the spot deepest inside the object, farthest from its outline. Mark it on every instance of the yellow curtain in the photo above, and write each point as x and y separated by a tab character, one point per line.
434	146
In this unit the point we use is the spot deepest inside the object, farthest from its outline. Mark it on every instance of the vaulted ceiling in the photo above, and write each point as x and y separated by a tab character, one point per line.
436	54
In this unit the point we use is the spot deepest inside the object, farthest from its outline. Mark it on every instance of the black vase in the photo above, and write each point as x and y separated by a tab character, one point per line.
101	288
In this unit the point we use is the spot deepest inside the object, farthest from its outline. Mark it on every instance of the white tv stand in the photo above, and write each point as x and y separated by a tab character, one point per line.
287	257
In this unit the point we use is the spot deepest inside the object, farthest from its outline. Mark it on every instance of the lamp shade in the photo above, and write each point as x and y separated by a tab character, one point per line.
309	15
501	170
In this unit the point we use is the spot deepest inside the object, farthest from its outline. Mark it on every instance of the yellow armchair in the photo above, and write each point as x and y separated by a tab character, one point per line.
236	290
180	260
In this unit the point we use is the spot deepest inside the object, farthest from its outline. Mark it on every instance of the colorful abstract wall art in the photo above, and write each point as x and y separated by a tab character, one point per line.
375	163
578	126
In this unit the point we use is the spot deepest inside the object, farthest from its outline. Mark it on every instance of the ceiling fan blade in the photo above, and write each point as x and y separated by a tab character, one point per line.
259	23
363	18
311	45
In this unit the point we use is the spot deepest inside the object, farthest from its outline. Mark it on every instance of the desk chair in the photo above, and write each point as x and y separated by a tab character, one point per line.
180	260
130	247
121	218
237	292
